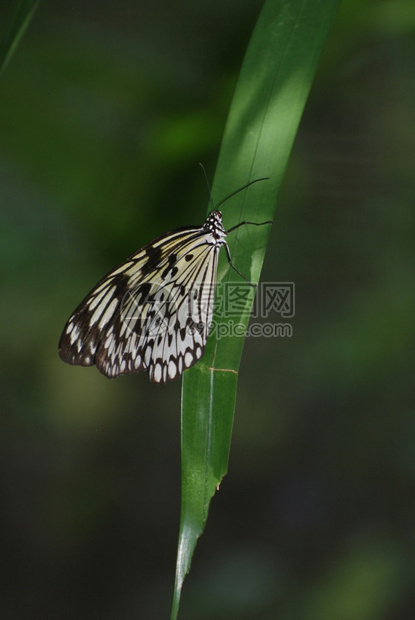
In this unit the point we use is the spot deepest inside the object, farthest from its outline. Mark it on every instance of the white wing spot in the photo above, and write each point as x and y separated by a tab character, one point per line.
172	369
157	373
101	307
107	316
147	356
75	334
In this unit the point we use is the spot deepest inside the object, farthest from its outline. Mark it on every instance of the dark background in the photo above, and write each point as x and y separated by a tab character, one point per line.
105	111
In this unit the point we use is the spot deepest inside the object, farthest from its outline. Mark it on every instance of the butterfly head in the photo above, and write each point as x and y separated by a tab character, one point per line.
214	226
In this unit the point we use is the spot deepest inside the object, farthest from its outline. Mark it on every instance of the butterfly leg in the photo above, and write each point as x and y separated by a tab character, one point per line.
227	247
250	223
228	254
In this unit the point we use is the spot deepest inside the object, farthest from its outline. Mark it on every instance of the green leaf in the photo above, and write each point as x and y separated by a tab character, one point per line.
19	20
270	96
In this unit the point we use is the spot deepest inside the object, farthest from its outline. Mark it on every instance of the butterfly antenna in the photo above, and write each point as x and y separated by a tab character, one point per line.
230	195
240	190
208	186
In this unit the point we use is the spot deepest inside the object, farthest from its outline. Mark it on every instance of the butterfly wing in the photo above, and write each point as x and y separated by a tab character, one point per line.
152	313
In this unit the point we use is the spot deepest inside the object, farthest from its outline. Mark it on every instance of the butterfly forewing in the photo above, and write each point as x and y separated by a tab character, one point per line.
153	312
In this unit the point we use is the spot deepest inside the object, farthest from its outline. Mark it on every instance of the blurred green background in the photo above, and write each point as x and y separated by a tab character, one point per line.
105	111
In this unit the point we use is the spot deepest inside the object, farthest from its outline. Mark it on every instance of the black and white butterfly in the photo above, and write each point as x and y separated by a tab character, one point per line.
154	311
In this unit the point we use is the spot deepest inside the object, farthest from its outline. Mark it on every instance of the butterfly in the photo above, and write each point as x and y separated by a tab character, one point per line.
154	311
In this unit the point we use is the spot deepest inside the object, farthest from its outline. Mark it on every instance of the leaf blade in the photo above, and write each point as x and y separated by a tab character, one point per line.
270	96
